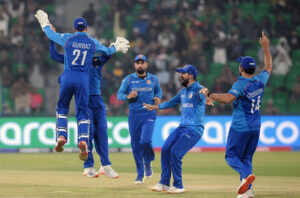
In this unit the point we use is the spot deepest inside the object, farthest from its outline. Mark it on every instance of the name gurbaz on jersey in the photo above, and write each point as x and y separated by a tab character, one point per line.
81	45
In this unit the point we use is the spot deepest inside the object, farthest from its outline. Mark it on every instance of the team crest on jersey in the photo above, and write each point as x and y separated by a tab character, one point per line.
148	82
191	95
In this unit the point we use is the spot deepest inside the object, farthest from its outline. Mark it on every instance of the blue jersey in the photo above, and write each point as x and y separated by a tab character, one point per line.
147	88
79	48
95	73
192	106
249	92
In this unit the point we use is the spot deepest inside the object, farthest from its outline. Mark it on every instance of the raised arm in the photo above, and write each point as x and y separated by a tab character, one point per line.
54	54
264	42
60	39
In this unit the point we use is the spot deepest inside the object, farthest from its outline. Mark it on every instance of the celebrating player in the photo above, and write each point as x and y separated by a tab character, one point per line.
138	88
246	95
186	135
79	50
97	113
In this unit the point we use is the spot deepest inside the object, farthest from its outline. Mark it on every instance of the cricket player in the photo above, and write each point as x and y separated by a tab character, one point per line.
186	135
97	113
138	88
246	95
79	50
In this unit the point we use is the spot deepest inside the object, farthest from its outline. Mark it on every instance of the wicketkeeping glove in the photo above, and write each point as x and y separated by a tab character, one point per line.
121	45
42	17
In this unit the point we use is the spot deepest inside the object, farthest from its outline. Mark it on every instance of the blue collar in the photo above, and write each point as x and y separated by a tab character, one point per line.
243	78
136	76
81	33
192	85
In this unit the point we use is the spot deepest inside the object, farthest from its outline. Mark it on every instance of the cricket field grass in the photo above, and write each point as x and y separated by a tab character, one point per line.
205	175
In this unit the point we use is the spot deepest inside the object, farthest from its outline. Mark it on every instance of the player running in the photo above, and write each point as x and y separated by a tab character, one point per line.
246	95
97	113
138	88
79	50
189	132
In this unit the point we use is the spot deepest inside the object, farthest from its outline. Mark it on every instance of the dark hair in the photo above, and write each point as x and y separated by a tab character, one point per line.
250	70
80	28
194	77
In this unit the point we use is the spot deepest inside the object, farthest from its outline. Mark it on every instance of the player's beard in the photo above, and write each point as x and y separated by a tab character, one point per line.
184	82
140	71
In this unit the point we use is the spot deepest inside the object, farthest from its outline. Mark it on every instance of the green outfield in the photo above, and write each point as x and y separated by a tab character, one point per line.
204	175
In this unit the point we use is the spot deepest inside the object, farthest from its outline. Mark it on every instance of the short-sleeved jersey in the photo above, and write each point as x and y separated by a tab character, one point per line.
246	108
192	106
147	88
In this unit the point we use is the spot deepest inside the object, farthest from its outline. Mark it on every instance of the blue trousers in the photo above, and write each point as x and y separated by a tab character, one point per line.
174	148
73	83
98	132
240	148
141	127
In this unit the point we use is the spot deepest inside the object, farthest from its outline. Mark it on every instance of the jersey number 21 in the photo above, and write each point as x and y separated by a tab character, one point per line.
77	53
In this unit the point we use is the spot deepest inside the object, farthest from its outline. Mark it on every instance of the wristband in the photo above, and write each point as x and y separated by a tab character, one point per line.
208	94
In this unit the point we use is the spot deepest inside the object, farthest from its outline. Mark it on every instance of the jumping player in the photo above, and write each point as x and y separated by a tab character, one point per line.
79	50
97	113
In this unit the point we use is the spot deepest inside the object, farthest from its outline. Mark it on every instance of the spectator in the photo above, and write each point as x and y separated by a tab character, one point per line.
115	104
20	95
4	21
220	47
294	40
271	109
16	8
282	61
6	76
36	100
295	92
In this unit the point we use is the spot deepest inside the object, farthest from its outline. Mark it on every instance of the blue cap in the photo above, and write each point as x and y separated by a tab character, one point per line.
80	23
188	69
140	57
247	62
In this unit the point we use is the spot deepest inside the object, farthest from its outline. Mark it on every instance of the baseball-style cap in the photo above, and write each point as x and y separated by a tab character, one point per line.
247	62
188	69
80	23
140	57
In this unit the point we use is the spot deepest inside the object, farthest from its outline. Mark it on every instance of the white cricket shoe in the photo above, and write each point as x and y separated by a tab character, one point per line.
108	171
248	194
245	184
90	172
174	190
160	187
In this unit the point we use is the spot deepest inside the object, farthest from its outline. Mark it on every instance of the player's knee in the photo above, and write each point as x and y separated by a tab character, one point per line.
228	159
174	154
165	149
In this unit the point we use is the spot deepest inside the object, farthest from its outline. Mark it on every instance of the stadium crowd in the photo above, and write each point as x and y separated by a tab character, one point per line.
209	34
